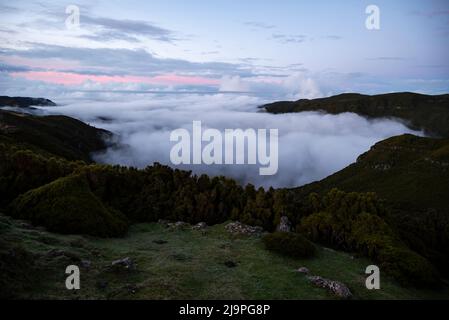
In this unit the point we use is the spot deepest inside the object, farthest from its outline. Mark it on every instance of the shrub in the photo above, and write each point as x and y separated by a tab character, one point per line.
289	244
67	205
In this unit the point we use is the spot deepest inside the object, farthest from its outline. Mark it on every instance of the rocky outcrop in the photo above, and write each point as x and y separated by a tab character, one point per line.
284	225
240	228
337	288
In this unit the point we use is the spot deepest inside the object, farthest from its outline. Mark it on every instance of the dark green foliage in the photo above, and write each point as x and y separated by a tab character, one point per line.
430	113
412	175
357	222
22	170
68	206
59	135
24	102
289	244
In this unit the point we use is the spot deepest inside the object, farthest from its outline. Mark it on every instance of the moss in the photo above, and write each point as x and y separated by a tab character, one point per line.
289	244
67	205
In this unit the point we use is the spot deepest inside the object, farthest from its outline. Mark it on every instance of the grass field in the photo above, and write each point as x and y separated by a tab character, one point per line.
181	264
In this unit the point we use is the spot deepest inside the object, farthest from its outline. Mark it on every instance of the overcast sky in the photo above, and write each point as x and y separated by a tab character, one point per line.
282	49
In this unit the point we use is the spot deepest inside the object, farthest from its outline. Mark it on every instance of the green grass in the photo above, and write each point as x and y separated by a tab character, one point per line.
191	265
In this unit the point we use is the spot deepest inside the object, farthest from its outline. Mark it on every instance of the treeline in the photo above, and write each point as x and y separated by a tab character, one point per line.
103	200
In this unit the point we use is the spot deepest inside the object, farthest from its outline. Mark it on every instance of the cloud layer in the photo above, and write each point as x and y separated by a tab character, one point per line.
311	145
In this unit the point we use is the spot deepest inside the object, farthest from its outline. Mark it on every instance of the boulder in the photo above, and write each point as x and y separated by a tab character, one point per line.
179	225
284	225
240	228
200	226
125	264
337	288
303	270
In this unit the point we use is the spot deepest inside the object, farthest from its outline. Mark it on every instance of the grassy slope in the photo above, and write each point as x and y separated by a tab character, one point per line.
430	113
189	266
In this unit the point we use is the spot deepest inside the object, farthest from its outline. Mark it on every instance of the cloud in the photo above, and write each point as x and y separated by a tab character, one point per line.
126	29
121	62
333	37
260	25
294	87
388	58
286	39
311	145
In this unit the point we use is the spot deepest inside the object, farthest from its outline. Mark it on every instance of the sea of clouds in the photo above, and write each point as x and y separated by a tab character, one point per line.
311	145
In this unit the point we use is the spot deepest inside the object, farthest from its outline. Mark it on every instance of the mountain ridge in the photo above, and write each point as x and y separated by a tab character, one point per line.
420	112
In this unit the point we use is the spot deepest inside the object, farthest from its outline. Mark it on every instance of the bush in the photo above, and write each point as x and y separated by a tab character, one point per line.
289	244
408	267
67	205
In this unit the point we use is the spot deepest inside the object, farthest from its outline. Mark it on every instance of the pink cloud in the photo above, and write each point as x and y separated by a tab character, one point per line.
67	78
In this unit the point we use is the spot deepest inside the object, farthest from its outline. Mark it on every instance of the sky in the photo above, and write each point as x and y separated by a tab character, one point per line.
288	49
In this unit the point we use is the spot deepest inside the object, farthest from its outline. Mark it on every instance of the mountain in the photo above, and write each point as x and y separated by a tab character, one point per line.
57	135
411	174
24	102
419	111
404	228
408	171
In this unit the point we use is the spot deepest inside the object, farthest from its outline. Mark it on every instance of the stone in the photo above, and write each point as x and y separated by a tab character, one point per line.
179	225
303	270
240	228
125	264
284	225
335	287
86	264
200	226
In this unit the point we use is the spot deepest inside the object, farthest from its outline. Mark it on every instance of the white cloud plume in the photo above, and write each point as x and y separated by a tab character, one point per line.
311	145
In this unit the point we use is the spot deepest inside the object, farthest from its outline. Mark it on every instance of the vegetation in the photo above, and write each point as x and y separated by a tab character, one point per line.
58	135
289	244
412	175
403	225
355	222
421	112
67	205
188	265
24	102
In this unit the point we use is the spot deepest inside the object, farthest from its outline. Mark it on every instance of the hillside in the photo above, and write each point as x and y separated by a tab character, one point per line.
174	264
57	135
404	228
420	112
412	175
24	102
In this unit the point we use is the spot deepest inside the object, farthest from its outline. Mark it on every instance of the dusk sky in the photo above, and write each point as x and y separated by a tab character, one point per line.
289	49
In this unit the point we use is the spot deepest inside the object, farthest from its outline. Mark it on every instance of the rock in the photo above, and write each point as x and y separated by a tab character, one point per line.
86	264
230	264
335	287
284	225
163	222
200	226
303	270
180	225
125	264
240	228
